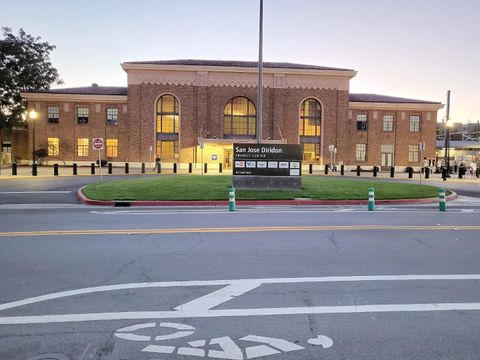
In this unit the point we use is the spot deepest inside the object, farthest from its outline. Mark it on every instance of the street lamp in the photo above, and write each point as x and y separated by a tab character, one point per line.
448	125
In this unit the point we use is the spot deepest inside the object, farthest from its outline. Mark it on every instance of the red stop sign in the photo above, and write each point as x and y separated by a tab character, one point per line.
97	143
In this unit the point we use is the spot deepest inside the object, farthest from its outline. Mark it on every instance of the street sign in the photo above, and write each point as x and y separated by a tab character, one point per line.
97	143
267	159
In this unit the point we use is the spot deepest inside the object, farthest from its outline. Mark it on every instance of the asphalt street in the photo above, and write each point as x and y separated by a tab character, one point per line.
317	282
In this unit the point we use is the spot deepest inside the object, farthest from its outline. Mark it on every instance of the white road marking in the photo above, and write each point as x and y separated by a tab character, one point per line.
230	350
161	349
168	284
280	344
322	340
141	315
36	192
137	327
220	296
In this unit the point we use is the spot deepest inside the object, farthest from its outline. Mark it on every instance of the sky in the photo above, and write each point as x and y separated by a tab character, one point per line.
409	48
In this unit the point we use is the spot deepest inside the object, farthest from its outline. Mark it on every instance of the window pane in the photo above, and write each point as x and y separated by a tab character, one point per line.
82	147
168	119
112	148
310	118
239	117
53	146
361	152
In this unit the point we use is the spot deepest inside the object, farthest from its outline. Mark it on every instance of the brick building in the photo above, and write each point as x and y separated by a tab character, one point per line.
194	110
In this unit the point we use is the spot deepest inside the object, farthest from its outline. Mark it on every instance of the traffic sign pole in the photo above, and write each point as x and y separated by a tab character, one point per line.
97	144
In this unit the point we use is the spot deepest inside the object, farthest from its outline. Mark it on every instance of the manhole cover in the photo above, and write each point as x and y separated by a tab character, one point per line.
50	357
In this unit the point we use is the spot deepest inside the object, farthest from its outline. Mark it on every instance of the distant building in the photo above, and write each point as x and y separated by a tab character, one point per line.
172	109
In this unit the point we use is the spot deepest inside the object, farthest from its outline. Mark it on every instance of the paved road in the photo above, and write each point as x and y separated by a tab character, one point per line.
279	283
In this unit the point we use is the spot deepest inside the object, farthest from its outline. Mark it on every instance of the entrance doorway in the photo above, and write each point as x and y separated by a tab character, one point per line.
387	159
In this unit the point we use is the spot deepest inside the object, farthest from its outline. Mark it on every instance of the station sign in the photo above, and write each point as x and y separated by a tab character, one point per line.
267	159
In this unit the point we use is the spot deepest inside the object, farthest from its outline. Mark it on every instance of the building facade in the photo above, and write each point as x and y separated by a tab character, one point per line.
194	110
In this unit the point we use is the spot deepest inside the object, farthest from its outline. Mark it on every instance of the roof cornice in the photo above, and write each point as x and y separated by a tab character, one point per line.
75	97
139	67
393	106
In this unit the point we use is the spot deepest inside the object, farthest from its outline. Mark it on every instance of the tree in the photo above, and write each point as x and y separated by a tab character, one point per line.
24	66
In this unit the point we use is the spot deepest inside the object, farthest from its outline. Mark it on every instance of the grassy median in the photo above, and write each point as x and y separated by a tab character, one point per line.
192	187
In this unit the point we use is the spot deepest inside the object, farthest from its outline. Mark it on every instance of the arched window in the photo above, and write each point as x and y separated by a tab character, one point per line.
239	118
167	127
310	129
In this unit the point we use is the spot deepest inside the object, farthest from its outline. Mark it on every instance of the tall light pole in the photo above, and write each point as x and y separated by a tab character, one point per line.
260	77
446	159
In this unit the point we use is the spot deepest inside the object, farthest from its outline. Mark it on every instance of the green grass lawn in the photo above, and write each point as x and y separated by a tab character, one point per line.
192	187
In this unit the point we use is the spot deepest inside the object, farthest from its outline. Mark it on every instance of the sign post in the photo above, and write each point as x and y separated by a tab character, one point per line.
97	144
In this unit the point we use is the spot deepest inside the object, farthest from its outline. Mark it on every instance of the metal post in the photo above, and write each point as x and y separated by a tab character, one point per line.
100	164
371	199
358	170
110	168
326	169
260	77
189	168
34	169
427	173
74	168
14	169
143	168
392	171
375	169
92	169
127	169
342	169
33	141
231	199
310	168
447	134
442	205
220	168
410	172
55	169
174	168
205	168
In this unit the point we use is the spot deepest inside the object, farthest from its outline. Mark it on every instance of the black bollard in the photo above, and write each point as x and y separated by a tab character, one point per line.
205	168
410	172
342	169
220	167
444	174
174	168
159	167
127	170
143	168
427	173
92	169
392	171
75	169
358	170
326	169
110	169
14	169
55	169
34	170
189	168
375	170
460	173
310	168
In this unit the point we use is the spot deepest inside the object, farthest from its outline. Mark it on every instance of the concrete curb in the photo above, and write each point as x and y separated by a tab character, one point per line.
88	201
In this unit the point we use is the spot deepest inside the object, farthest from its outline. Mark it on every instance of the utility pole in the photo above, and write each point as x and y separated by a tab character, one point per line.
260	78
446	159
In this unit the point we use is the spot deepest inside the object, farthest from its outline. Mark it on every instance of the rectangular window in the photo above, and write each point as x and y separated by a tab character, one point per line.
112	116
413	153
82	147
362	121
167	149
53	146
311	151
82	115
112	148
414	123
52	115
387	122
361	152
167	124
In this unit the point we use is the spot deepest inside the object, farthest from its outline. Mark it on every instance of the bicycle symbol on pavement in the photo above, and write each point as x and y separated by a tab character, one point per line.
217	348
